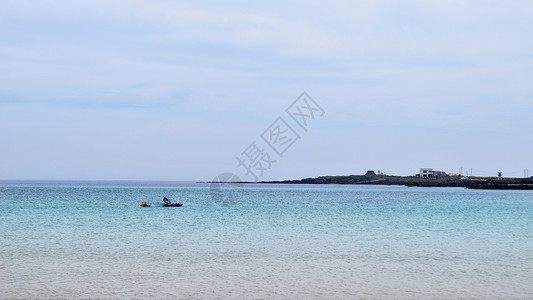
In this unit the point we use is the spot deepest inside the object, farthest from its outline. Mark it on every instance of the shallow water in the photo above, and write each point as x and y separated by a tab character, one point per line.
93	240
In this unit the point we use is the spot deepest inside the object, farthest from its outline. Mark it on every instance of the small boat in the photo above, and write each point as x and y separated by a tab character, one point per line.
172	204
144	204
168	203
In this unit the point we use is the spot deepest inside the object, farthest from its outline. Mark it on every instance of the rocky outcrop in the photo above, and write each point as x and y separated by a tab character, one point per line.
448	181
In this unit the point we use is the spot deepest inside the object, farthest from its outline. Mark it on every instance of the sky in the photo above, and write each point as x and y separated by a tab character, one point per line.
178	90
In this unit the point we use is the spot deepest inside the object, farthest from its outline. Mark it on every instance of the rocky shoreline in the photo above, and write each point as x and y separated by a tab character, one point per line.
412	181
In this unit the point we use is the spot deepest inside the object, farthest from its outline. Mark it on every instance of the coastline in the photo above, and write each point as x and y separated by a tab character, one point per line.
492	183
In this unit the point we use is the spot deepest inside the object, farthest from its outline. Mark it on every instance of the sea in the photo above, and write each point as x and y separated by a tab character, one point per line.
70	240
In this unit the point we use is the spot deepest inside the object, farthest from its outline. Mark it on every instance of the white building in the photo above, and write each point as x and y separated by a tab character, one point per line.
426	172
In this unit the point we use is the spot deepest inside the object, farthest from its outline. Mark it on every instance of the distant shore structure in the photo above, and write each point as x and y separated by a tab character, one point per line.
429	172
370	172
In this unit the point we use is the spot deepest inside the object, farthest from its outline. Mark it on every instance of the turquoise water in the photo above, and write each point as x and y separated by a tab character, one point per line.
93	240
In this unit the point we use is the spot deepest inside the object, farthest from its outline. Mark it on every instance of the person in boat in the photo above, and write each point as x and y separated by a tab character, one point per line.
166	201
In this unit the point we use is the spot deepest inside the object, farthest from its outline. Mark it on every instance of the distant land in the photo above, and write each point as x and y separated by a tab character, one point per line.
471	182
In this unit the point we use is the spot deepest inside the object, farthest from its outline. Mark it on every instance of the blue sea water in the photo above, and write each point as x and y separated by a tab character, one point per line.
93	240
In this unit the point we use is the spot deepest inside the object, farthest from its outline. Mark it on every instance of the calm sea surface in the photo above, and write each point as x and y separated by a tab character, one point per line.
93	240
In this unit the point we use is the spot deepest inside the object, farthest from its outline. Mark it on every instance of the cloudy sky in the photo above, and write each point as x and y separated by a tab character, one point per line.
176	90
